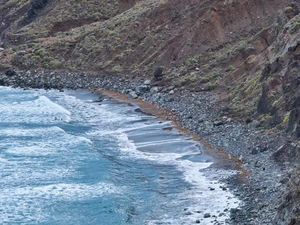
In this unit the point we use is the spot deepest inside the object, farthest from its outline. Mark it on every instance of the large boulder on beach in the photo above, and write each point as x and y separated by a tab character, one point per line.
158	73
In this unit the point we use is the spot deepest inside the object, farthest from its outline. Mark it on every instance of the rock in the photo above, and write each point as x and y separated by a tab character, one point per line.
147	82
28	73
263	149
132	94
10	73
197	221
200	129
207	215
229	120
263	103
284	180
255	124
141	89
234	212
254	151
3	80
258	164
218	123
222	214
1	49
208	125
158	73
154	90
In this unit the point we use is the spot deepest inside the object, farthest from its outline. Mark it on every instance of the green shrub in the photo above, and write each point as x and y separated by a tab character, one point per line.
55	64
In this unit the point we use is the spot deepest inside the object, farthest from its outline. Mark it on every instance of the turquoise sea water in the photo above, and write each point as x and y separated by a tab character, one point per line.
68	159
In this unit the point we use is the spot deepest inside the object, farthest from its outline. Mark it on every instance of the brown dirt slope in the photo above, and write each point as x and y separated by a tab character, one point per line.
127	36
246	51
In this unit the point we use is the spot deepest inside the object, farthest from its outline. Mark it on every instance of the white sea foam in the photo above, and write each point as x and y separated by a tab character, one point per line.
111	121
35	111
205	195
61	191
26	204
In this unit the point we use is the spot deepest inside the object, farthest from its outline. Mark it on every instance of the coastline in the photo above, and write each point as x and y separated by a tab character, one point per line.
200	114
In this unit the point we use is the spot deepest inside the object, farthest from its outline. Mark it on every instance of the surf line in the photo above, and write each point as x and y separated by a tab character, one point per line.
220	158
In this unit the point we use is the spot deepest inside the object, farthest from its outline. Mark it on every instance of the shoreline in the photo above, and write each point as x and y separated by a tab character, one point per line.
220	158
200	114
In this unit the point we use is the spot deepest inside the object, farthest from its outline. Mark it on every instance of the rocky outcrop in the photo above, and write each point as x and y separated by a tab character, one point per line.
36	7
289	208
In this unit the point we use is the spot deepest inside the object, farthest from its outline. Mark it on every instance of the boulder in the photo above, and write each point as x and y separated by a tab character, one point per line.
207	215
208	125
147	82
132	94
154	90
10	73
158	73
141	89
218	123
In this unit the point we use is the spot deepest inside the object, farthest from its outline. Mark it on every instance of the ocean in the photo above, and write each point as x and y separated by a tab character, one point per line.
66	158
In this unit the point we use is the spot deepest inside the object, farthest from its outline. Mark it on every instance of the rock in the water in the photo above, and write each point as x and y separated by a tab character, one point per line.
188	213
207	215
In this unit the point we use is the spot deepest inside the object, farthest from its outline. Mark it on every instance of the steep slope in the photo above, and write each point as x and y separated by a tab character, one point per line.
115	36
265	84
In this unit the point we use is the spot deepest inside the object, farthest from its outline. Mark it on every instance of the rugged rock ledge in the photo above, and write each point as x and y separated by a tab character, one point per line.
263	185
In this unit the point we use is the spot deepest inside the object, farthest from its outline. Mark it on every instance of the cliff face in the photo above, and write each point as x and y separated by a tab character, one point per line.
288	210
245	52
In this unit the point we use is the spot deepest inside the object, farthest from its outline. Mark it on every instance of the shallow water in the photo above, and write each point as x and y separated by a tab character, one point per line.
67	159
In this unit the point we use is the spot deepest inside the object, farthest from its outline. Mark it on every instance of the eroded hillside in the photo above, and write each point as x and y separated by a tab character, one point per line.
128	36
244	51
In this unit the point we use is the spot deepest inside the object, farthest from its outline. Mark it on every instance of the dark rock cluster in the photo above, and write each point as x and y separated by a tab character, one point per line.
36	7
